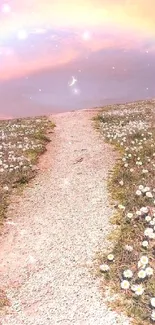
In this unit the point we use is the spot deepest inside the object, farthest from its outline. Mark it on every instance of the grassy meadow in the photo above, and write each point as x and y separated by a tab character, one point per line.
21	143
129	269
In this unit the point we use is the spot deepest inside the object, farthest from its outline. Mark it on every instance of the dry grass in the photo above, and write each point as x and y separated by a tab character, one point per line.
131	129
21	143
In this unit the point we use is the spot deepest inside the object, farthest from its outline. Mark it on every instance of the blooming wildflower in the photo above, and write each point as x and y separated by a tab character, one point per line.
149	271
104	268
145	243
144	260
146	189
129	215
138	213
152	301
121	183
145	171
138	193
134	287
125	284
153	315
144	210
142	274
128	274
148	218
110	257
128	248
149	195
6	188
121	207
139	290
141	187
152	235
152	222
148	231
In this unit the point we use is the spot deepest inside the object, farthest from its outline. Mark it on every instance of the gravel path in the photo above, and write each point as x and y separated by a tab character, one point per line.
54	230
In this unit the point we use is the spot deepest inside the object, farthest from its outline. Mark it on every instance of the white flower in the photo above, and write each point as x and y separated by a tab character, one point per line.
138	213
125	284
152	235
138	193
141	187
153	315
104	268
149	195
144	260
6	188
134	287
131	170
145	243
129	215
142	274
140	265
149	271
148	218
139	290
148	231
110	257
144	210
128	248
128	274
152	301
121	207
152	222
146	189
144	171
121	183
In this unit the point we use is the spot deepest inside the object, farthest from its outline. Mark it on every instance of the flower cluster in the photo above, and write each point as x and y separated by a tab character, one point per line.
21	141
131	129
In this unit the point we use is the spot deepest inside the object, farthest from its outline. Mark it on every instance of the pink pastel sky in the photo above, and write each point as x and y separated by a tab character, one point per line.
121	35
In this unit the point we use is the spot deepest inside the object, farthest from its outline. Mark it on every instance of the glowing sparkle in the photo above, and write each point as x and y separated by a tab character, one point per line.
22	34
86	36
6	8
76	91
73	82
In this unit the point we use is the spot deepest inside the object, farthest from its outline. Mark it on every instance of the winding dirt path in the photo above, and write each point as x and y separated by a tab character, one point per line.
54	230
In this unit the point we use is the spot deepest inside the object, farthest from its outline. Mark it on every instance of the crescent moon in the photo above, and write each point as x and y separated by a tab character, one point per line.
72	82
